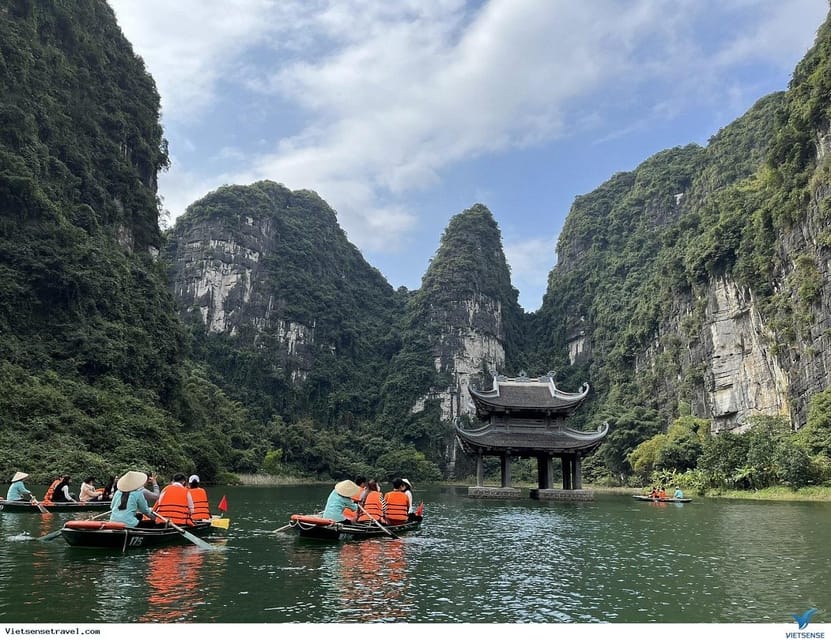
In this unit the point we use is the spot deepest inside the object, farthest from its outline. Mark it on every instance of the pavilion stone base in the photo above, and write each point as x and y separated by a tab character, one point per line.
563	495
494	492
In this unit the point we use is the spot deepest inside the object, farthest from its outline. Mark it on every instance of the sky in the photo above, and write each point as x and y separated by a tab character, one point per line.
401	114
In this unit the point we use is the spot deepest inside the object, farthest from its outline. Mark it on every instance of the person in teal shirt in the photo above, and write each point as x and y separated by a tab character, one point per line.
129	500
342	497
678	493
17	490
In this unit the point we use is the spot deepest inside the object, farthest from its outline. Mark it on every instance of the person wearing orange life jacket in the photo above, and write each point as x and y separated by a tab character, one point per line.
360	495
47	497
175	503
201	508
398	503
375	506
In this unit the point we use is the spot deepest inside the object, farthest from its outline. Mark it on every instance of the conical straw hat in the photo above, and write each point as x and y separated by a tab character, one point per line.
19	476
346	488
131	481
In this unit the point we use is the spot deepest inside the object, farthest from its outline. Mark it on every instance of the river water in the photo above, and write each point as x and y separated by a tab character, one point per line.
473	561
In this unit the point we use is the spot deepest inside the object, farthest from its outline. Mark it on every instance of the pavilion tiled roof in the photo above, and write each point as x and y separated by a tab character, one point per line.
530	440
526	395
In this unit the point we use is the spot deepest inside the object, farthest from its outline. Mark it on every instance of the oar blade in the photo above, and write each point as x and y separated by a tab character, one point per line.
199	542
50	536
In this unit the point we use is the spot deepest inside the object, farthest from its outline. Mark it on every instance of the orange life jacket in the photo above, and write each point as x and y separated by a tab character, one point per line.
51	490
397	507
374	506
173	505
201	509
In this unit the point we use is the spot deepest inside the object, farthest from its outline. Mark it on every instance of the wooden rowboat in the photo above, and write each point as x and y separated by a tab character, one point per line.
117	535
667	499
24	506
317	528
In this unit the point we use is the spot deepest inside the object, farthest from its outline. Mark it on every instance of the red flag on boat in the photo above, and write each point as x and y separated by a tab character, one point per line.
223	504
420	511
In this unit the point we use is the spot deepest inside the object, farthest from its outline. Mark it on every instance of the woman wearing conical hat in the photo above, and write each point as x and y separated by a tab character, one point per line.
129	499
17	490
342	497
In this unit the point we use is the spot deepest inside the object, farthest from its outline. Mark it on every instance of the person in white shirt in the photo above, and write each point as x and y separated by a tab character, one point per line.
88	491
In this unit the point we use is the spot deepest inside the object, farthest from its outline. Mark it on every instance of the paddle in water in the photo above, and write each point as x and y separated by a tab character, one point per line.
199	542
385	530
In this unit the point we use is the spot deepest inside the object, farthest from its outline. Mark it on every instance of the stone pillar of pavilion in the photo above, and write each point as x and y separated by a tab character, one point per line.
525	417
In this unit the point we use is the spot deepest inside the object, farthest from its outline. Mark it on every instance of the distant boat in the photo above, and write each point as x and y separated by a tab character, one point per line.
24	506
667	499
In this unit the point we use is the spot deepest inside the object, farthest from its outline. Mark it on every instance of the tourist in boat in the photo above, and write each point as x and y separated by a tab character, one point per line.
201	508
349	513
61	492
151	489
342	497
88	492
398	503
47	497
18	490
109	489
374	504
128	500
175	503
662	494
408	489
678	495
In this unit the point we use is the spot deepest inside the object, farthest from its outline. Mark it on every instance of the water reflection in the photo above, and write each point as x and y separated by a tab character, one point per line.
371	580
173	583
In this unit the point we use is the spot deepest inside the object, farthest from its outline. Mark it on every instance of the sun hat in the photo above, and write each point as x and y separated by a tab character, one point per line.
408	483
131	481
19	476
193	478
346	488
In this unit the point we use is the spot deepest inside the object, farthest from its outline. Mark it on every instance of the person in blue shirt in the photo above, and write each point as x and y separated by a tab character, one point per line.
129	500
342	497
678	493
17	490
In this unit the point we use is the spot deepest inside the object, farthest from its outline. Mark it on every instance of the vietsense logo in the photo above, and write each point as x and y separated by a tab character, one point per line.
803	619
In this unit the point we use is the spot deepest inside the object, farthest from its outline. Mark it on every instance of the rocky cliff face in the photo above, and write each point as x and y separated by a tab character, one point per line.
730	361
730	311
220	273
469	309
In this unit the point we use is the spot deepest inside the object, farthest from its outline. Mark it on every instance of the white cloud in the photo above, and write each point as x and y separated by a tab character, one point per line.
379	99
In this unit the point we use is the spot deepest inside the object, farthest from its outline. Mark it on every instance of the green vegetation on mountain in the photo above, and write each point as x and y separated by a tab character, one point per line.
91	347
644	248
102	368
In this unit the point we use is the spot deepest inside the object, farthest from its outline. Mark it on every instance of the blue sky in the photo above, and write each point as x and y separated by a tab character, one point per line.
402	114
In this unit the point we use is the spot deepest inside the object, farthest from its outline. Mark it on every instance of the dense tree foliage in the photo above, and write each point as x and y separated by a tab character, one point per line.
102	371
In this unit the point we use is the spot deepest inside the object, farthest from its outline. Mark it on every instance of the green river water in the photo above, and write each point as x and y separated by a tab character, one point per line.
473	561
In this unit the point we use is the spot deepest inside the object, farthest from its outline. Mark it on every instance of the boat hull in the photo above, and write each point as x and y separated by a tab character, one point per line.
651	499
107	535
313	528
22	506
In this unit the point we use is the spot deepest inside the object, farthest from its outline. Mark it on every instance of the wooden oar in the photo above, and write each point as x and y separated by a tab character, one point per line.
387	531
40	507
55	534
199	542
